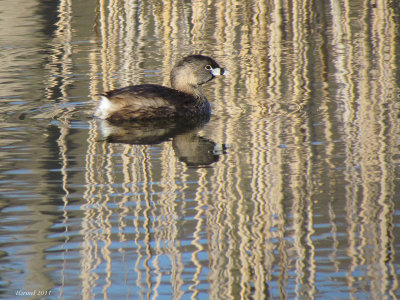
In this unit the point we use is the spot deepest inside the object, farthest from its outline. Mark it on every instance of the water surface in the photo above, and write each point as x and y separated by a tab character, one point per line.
289	191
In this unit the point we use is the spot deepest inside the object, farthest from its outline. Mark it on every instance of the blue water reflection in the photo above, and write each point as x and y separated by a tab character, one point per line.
290	190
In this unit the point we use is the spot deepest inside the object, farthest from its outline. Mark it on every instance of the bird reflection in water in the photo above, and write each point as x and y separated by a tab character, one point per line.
190	148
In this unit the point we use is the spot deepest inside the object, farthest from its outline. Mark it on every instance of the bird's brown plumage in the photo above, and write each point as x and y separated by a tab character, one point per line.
154	101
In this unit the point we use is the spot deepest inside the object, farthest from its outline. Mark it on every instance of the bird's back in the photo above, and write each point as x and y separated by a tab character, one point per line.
148	101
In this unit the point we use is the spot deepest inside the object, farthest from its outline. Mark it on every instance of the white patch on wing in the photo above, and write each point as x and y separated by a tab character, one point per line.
104	108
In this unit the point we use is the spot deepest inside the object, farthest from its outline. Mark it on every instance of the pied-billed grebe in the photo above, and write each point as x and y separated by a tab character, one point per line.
147	101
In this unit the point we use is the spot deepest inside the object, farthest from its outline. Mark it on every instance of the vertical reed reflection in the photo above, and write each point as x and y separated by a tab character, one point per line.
366	80
56	90
303	74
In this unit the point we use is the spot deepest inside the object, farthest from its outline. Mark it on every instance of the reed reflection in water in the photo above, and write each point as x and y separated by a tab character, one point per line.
290	190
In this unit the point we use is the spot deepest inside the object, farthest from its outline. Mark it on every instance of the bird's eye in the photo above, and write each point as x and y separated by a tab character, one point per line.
208	67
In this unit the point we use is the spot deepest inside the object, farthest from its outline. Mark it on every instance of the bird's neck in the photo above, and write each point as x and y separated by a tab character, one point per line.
191	89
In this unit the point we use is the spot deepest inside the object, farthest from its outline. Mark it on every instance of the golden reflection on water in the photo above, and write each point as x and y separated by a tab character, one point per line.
261	203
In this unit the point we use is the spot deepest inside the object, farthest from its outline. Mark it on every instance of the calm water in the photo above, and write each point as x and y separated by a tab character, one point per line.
290	191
